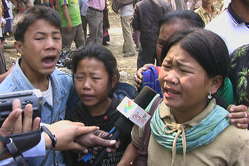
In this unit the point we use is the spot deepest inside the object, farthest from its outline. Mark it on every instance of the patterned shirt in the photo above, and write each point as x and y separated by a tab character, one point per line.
239	74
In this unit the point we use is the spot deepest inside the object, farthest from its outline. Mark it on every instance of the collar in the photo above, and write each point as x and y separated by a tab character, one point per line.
165	113
20	71
21	80
235	17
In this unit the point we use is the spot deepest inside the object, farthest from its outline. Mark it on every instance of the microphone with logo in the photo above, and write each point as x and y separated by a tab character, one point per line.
132	113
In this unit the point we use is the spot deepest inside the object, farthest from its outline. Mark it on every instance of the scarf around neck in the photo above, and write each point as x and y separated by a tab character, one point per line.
180	138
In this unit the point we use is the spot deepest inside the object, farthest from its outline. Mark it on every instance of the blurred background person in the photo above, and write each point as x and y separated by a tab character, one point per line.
126	13
106	25
94	19
83	10
207	10
72	30
146	20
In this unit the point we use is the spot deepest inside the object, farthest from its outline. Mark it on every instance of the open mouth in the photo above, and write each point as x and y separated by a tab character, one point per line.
171	92
49	61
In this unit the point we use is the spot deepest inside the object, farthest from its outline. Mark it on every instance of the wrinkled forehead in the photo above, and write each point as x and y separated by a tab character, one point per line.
47	22
180	58
177	53
42	25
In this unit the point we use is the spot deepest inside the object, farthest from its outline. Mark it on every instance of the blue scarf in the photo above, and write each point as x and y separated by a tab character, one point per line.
203	133
181	138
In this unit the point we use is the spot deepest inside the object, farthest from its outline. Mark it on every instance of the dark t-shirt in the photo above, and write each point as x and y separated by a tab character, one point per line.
106	123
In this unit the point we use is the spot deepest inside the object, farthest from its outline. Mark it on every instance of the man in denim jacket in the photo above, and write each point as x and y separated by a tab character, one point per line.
38	40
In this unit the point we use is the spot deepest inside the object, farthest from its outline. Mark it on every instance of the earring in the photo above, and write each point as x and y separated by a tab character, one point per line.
209	96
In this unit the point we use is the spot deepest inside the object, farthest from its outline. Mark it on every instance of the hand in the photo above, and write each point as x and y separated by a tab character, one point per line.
129	156
139	74
239	116
93	139
97	138
16	122
105	135
69	26
66	132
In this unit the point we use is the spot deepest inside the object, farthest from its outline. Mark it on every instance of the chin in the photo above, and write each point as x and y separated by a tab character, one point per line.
48	71
88	103
171	103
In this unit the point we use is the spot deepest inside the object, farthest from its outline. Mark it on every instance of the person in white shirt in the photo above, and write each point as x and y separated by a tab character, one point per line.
232	25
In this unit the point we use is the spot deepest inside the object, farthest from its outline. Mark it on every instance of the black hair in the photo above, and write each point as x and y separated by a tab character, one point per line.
100	53
190	17
24	20
206	47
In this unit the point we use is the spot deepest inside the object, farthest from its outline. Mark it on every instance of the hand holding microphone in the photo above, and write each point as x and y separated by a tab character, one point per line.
97	138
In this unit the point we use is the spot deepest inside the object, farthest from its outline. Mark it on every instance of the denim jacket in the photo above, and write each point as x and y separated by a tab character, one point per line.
62	90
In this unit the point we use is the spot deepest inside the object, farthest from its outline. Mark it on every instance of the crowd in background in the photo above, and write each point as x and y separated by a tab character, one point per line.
198	49
86	22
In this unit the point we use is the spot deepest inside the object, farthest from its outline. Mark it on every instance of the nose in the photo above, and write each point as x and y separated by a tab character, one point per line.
171	77
50	43
86	84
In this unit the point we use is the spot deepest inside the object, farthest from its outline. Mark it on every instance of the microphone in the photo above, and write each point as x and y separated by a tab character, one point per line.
123	126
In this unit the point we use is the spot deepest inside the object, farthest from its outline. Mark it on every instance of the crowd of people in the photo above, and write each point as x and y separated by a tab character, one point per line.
199	49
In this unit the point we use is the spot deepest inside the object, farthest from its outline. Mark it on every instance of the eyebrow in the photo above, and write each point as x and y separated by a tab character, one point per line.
182	64
44	33
178	63
91	73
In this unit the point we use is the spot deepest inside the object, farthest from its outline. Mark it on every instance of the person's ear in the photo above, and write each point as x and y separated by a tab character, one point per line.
19	46
216	83
114	81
